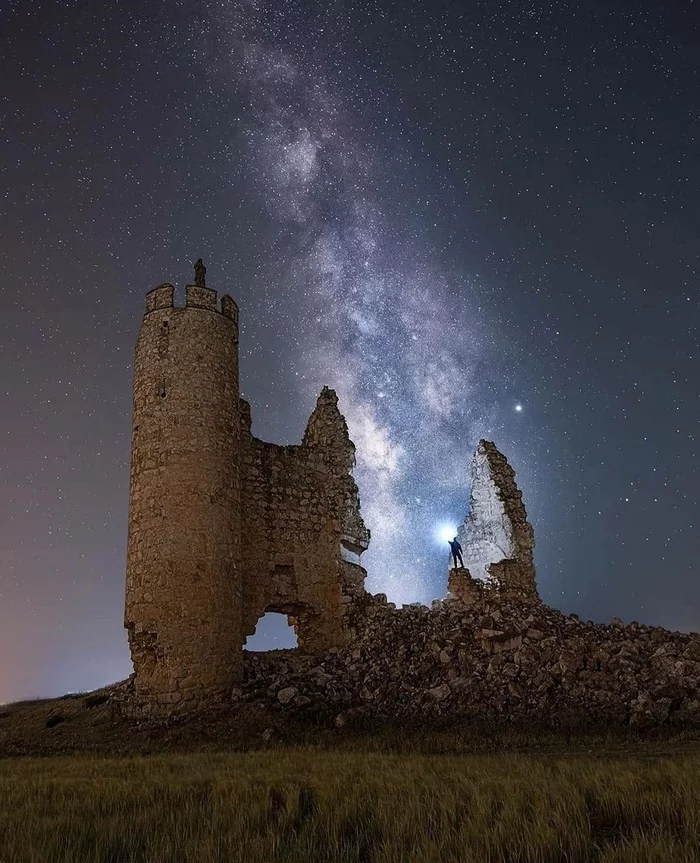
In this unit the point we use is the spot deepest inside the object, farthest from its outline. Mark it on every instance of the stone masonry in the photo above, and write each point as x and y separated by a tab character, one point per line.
496	537
300	516
183	594
224	527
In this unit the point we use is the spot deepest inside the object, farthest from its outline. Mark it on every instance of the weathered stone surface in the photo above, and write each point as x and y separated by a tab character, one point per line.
496	537
441	692
183	605
224	527
284	696
300	510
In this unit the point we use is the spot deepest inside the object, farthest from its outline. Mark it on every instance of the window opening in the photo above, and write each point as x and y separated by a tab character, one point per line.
272	632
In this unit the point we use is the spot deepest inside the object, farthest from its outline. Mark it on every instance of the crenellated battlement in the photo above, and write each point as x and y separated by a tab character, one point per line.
160	297
196	297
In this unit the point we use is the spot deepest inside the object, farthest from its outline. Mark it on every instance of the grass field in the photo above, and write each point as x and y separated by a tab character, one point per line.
311	805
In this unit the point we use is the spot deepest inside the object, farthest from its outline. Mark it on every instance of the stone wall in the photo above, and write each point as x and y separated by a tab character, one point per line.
491	651
299	506
496	537
224	527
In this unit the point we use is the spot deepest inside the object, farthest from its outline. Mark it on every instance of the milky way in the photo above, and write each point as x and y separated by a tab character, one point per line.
379	319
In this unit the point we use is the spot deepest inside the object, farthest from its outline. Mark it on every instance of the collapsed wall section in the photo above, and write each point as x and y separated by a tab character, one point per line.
299	512
496	537
495	662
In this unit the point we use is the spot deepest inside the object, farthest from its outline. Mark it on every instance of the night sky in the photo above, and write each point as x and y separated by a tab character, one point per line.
446	211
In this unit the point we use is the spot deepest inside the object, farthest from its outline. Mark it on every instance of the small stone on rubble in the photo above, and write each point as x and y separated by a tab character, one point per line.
284	696
440	693
489	633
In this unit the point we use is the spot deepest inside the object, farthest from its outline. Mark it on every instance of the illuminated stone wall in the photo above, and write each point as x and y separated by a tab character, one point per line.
300	507
183	603
224	527
496	537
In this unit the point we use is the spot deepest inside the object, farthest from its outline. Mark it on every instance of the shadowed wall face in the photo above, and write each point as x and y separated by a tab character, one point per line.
183	603
300	510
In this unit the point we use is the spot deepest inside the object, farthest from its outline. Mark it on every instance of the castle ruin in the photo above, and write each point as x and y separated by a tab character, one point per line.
224	527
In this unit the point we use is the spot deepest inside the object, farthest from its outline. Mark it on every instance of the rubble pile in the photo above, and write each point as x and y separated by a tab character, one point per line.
499	660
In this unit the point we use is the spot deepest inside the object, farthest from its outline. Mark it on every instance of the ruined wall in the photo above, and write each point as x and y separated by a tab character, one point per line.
496	537
224	527
183	598
491	651
299	508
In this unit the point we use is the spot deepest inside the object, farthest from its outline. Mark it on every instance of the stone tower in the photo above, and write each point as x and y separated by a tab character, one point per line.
183	594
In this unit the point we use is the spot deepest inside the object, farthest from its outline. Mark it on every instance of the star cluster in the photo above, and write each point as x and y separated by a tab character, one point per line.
470	220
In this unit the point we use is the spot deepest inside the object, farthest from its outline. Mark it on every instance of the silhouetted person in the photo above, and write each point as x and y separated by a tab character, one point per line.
200	272
456	551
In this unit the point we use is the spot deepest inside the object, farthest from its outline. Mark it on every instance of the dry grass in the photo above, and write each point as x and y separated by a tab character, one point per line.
310	805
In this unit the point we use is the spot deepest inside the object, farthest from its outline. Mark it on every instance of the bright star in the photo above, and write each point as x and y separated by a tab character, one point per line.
519	408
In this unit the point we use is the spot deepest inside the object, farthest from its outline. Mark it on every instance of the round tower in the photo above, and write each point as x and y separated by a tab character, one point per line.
183	593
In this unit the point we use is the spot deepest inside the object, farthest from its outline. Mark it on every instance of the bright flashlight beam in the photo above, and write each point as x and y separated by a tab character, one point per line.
445	532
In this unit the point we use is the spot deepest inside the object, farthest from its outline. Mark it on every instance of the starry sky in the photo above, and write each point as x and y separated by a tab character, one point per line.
446	211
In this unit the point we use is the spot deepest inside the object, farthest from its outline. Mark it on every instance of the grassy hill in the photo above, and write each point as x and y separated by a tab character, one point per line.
309	805
240	785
